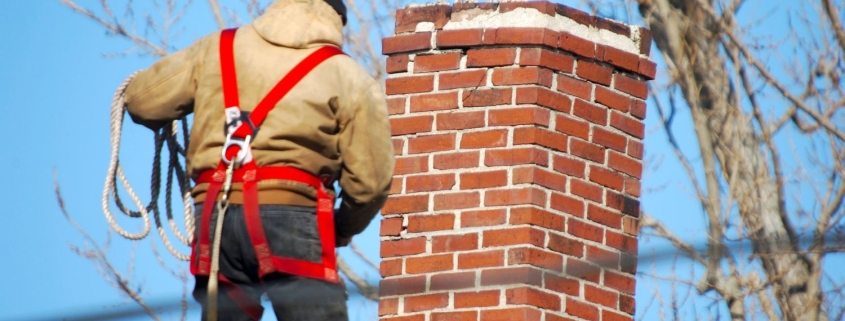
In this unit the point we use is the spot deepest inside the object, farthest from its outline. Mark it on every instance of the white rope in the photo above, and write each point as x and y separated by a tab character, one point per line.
115	172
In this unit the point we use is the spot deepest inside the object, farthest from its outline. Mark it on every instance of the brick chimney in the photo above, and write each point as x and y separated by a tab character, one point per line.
518	131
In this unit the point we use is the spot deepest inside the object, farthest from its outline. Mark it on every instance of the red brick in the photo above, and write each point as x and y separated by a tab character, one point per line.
566	245
485	139
544	7
582	270
572	127
457	160
530	296
398	145
513	275
521	36
516	156
624	164
388	306
627	304
454	243
607	315
593	113
408	17
621	59
627	124
391	227
601	297
606	177
593	72
645	41
537	217
575	87
459	38
491	57
625	204
481	6
613	26
397	64
460	200
634	87
624	283
391	248
515	196
431	143
561	284
585	231
416	317
569	166
432	102
514	236
405	204
568	205
410	125
609	139
411	165
396	184
519	116
477	260
463	79
522	76
638	109
403	285
545	178
476	299
482	218
581	310
635	149
543	97
390	267
583	189
535	257
427	183
426	302
428	223
586	150
579	16
479	180
541	137
406	43
603	258
621	242
630	226
460	120
612	99
437	62
487	97
511	314
396	105
429	263
452	281
632	186
647	68
546	58
454	316
409	84
577	45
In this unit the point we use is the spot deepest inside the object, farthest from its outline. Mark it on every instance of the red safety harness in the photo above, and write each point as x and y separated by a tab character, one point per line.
240	128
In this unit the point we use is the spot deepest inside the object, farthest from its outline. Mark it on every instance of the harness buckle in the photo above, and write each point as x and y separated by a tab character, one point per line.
244	154
235	118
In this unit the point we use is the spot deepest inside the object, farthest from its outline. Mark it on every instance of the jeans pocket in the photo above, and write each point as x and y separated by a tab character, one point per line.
292	232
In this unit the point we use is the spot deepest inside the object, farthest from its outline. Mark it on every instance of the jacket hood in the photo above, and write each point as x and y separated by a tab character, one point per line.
300	24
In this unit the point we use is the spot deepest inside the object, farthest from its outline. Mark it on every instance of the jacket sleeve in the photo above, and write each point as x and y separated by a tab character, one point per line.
367	169
165	91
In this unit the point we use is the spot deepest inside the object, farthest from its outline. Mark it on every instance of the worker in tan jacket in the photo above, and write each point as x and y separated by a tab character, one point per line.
330	126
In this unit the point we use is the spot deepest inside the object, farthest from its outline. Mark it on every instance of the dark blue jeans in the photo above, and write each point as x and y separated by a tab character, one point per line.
291	232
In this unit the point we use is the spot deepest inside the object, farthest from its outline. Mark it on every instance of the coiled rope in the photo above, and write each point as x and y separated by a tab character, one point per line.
175	170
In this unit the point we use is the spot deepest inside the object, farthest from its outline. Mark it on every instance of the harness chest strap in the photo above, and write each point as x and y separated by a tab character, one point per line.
243	127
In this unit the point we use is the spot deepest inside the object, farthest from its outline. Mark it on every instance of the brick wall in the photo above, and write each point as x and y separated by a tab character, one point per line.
518	133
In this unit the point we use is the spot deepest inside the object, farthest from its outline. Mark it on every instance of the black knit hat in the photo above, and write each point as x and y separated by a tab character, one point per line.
339	7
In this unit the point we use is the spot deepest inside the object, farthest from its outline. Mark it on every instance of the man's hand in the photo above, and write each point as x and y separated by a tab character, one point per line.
342	241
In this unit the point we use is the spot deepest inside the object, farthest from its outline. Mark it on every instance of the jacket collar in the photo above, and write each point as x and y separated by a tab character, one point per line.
300	24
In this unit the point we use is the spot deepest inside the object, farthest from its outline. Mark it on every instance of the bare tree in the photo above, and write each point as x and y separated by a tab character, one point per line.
751	98
150	29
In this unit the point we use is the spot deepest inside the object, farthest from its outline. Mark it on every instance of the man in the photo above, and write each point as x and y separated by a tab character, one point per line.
331	124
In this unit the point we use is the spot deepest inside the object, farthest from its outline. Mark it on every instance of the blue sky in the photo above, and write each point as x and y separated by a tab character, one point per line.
57	85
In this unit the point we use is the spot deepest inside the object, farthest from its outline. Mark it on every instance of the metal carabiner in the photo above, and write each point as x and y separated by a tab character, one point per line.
244	155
